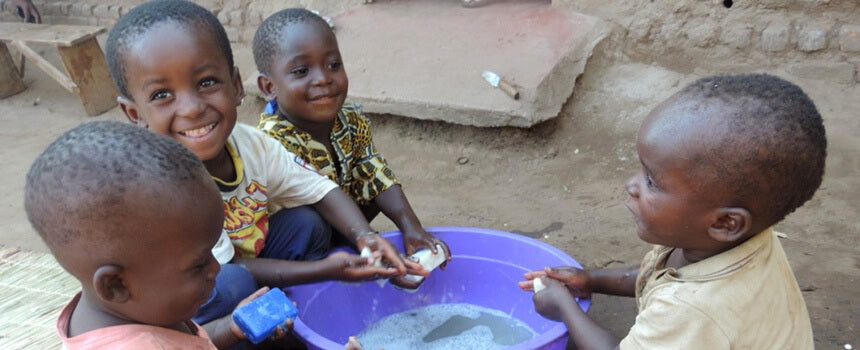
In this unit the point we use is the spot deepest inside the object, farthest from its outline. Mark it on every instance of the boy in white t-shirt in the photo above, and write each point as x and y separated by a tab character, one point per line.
188	88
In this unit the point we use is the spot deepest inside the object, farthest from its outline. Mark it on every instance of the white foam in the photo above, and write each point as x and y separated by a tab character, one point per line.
407	329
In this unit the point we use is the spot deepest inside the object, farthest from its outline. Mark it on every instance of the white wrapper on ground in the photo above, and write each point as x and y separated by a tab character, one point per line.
367	253
538	284
427	260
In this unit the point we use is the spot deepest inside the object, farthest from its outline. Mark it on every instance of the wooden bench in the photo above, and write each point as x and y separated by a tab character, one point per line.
82	57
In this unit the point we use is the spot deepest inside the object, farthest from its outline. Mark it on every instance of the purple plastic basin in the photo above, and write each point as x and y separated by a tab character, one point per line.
485	268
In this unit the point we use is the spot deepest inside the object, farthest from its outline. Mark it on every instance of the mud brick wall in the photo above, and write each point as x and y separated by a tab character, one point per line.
809	38
817	39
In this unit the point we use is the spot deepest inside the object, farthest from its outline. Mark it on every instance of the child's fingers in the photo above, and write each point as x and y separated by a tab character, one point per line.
527	286
534	274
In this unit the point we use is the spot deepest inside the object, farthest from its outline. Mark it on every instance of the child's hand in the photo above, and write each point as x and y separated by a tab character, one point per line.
417	239
553	299
577	281
353	344
351	267
279	333
380	246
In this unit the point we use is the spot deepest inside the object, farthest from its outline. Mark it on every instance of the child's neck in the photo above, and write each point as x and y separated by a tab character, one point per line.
90	315
221	166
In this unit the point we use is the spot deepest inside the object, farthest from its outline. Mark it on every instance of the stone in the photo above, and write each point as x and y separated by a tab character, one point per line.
812	39
737	37
232	34
775	37
224	17
849	38
236	18
839	72
81	9
701	33
539	48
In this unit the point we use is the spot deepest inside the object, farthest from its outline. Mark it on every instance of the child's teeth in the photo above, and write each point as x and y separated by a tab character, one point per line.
199	132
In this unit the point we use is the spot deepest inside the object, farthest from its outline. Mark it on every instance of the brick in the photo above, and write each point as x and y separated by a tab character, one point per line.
849	38
236	18
102	11
65	8
702	34
775	37
840	72
115	11
737	37
812	39
81	9
255	17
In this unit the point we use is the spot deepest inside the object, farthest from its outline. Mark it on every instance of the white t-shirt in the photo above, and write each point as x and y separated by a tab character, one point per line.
268	178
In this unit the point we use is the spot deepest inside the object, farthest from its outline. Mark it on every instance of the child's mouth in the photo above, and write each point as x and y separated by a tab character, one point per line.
199	132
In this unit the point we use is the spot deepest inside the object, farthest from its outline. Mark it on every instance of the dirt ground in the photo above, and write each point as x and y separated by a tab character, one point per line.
560	181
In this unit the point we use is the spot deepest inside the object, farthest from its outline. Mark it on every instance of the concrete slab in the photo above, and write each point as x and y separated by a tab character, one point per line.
424	59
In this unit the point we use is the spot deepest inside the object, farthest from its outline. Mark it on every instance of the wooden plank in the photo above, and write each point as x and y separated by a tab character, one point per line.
46	66
10	78
86	65
55	34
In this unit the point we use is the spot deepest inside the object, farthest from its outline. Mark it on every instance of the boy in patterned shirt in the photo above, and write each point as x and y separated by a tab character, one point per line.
303	78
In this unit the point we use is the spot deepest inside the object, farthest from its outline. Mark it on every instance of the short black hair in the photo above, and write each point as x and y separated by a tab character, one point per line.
75	188
145	16
267	39
773	146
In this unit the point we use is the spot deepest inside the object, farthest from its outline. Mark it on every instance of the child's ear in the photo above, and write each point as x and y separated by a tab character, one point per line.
730	224
237	84
267	87
131	112
110	285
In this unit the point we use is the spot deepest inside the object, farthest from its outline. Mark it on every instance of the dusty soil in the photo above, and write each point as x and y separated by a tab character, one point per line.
560	181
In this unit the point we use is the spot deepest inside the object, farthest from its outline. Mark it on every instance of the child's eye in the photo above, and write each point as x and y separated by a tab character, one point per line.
208	82
335	65
159	95
649	181
300	71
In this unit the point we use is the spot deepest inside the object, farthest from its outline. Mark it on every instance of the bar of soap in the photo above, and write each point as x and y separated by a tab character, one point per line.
258	319
427	260
367	253
538	284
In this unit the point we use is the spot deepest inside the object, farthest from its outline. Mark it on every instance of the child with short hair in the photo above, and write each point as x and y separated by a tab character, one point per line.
723	160
304	80
90	197
173	66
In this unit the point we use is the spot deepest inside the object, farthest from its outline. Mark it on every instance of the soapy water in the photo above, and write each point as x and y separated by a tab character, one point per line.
446	326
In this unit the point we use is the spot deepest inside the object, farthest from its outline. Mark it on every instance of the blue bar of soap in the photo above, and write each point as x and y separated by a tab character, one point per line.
259	318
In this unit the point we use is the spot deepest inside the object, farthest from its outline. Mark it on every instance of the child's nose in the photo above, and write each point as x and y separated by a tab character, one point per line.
633	186
322	77
191	106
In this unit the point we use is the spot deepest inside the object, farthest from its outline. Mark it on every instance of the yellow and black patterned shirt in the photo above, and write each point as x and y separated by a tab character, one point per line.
363	174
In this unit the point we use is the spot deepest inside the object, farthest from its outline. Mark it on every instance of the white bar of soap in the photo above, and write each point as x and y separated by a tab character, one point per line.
427	260
538	284
367	253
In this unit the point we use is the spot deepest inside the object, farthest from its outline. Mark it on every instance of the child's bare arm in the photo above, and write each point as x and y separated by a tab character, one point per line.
343	214
618	281
556	303
393	203
338	266
581	283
